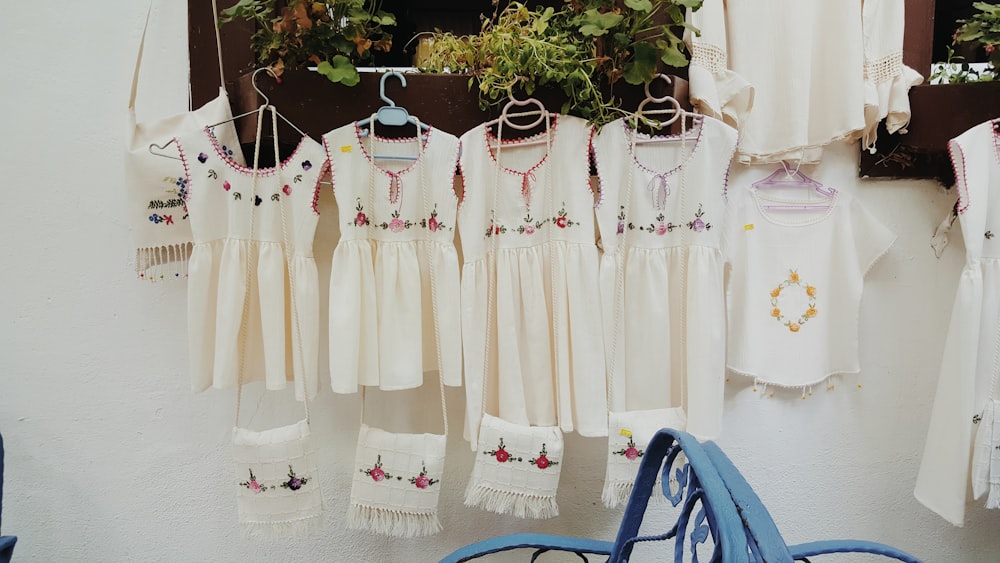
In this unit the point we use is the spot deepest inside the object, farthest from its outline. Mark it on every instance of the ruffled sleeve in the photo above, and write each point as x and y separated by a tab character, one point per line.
887	79
716	90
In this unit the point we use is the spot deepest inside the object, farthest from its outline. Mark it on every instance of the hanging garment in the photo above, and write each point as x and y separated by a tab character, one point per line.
536	210
382	315
241	217
796	282
157	185
661	216
971	361
830	71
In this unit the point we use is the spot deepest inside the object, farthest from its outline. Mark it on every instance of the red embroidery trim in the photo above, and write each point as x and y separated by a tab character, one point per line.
552	130
364	151
228	161
187	172
963	191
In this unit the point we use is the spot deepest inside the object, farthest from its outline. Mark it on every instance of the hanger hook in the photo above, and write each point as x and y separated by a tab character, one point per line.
253	81
381	86
650	96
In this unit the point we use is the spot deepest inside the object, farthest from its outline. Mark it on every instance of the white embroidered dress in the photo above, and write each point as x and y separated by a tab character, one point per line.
813	72
381	312
796	282
969	367
237	323
543	371
668	201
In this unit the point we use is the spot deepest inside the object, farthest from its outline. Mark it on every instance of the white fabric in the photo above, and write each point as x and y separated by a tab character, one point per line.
796	283
628	434
517	469
984	452
396	483
221	201
278	489
526	387
971	360
673	317
381	311
823	71
156	185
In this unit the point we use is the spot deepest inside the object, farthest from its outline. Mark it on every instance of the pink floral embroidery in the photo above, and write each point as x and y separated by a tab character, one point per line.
396	224
501	453
422	481
287	190
542	461
531	225
253	485
376	473
360	220
562	220
659	227
226	186
431	223
630	452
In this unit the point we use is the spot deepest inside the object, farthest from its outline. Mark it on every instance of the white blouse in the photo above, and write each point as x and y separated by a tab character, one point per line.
795	75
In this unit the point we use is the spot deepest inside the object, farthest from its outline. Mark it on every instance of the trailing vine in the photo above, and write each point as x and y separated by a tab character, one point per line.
584	49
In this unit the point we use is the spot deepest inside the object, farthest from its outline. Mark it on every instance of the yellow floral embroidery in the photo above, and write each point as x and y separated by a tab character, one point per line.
794	280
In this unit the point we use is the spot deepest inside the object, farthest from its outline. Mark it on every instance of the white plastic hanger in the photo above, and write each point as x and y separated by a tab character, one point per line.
391	115
676	112
506	115
784	177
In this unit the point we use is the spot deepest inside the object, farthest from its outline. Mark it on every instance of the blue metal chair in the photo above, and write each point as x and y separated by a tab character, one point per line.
763	537
708	511
6	542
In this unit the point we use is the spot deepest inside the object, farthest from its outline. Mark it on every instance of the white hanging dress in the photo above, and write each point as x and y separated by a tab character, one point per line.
673	317
531	388
971	361
260	338
381	311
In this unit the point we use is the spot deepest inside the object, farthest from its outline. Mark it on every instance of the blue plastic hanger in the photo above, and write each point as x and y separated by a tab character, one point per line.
391	115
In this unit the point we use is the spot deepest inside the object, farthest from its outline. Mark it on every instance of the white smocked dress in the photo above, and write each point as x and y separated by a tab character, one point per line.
796	283
813	72
395	215
971	361
546	363
236	321
667	201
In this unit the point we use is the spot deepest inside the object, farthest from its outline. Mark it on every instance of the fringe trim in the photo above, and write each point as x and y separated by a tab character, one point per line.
392	522
993	501
292	529
508	502
616	493
156	263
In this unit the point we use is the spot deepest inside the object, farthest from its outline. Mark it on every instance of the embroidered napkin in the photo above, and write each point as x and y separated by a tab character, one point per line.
628	434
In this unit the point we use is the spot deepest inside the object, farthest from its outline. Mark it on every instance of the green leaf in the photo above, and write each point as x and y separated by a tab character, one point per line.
595	23
643	64
673	56
640	5
340	70
384	18
591	30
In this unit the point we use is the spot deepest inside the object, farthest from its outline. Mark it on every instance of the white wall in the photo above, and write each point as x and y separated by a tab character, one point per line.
111	458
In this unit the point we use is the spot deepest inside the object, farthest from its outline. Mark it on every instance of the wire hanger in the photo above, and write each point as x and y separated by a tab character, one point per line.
391	115
676	112
265	105
784	177
506	115
154	148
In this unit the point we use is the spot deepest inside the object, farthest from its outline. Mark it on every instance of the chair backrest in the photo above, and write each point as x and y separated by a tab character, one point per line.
762	533
699	481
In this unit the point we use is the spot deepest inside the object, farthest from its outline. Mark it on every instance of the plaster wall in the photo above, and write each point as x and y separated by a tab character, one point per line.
111	458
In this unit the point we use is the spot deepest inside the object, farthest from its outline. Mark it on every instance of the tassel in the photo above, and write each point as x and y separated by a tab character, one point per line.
526	179
618	493
507	502
290	529
392	522
162	262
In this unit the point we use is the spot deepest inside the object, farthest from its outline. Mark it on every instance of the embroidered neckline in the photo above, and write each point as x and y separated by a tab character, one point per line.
263	171
758	198
390	173
487	136
627	132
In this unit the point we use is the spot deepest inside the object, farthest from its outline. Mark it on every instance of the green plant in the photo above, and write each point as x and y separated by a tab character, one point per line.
956	71
583	49
333	34
983	28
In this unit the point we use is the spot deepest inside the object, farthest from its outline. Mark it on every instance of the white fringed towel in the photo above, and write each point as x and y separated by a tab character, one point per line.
396	483
278	490
986	457
517	469
628	434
